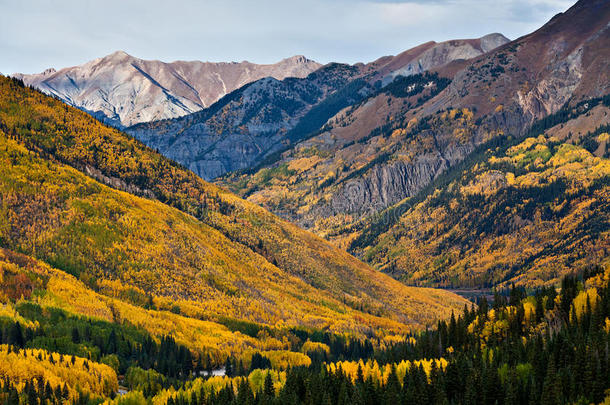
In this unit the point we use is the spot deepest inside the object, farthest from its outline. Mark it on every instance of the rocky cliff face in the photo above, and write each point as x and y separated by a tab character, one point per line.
123	90
384	185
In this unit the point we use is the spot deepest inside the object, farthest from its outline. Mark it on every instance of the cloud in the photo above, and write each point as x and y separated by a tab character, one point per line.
66	32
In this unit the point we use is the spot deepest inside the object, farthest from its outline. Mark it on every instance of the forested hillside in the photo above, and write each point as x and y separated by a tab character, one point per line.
518	211
546	347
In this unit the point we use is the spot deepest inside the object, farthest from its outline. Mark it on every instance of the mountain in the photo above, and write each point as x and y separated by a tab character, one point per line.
433	55
252	122
123	90
161	233
393	144
259	120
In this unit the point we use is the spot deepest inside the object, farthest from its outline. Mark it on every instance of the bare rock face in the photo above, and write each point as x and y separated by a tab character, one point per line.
384	185
245	126
123	90
553	91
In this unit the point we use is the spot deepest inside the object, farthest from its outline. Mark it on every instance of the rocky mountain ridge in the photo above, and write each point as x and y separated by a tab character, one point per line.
123	90
269	116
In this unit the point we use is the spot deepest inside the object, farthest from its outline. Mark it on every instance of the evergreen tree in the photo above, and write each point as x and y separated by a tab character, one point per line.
268	388
75	335
228	367
551	390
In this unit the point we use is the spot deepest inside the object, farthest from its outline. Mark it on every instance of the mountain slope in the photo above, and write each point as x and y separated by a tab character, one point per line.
527	214
123	90
250	125
218	256
109	308
390	147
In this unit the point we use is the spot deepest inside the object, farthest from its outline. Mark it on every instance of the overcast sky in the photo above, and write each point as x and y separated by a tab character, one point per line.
37	34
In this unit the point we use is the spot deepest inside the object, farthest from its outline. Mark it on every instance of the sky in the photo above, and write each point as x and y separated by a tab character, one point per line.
38	34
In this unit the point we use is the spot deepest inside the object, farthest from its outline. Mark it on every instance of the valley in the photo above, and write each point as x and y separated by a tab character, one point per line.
430	227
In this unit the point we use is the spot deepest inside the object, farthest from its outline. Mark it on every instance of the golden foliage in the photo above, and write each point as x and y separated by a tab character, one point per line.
585	298
280	359
214	384
528	216
372	371
284	359
65	292
310	346
257	379
27	364
209	385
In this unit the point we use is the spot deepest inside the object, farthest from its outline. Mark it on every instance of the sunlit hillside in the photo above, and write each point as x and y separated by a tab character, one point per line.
213	241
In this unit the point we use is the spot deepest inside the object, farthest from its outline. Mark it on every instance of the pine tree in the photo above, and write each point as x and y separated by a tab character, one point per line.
244	393
359	375
75	335
16	335
32	396
392	388
112	345
228	367
551	390
13	397
512	394
268	388
539	308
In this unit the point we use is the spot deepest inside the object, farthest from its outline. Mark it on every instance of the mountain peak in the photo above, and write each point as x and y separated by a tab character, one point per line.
100	84
116	55
495	35
297	59
492	41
